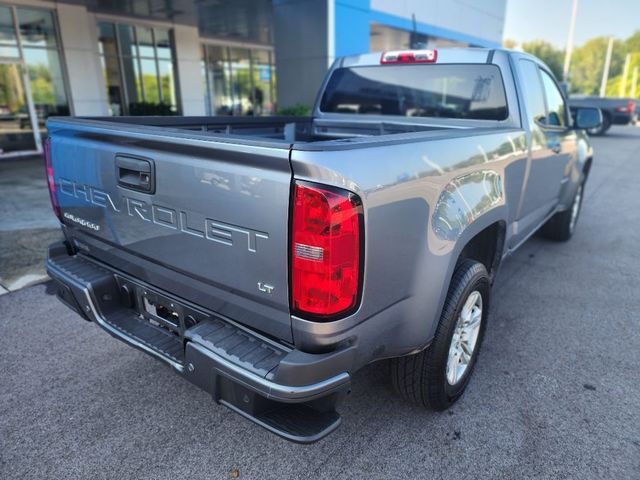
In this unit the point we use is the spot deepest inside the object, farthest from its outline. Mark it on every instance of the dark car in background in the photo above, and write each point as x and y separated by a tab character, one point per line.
615	111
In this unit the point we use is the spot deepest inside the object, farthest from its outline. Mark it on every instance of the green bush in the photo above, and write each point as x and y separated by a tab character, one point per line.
150	109
297	110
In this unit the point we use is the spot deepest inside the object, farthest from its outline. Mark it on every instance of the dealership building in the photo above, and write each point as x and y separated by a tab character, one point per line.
201	57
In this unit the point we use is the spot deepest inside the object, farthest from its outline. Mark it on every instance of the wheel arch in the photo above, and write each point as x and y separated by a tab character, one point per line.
486	247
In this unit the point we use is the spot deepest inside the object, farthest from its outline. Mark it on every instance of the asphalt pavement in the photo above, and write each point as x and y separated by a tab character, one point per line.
556	393
27	224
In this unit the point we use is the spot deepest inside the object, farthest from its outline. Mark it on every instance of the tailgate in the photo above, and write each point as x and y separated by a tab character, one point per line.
165	206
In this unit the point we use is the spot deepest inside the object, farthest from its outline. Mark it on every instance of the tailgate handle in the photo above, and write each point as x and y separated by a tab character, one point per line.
135	174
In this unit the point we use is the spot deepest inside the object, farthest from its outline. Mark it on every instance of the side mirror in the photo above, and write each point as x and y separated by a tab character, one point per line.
585	118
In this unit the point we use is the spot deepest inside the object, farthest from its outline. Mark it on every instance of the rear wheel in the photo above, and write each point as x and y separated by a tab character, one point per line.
561	226
437	376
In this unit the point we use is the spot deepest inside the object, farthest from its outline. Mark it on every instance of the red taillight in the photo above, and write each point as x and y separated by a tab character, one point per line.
50	180
631	106
628	108
409	56
325	251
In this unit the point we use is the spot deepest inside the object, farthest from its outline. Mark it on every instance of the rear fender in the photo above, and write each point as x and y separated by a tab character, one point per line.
467	205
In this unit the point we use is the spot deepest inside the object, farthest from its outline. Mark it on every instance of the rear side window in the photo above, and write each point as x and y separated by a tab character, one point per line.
469	91
555	101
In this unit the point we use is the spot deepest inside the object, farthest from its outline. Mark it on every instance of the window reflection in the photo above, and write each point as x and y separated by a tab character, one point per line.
263	82
555	102
167	81
145	42
16	133
138	69
240	62
238	81
46	81
43	62
36	28
150	80
8	39
125	36
163	44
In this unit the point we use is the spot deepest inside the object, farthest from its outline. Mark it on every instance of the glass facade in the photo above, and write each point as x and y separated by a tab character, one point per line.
238	81
42	59
138	69
8	37
31	74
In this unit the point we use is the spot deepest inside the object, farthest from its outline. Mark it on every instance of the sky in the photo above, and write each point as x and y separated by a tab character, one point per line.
549	20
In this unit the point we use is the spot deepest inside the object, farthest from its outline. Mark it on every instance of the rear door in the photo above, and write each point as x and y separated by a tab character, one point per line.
550	148
205	219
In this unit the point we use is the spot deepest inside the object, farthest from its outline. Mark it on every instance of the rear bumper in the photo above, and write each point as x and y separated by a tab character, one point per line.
291	393
621	118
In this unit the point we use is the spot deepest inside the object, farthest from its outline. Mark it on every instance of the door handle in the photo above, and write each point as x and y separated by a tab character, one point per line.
135	174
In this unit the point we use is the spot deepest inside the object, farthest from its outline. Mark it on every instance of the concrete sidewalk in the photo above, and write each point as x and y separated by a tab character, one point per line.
27	224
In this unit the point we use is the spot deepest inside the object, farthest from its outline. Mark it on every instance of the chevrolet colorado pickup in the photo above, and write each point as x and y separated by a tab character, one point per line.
267	260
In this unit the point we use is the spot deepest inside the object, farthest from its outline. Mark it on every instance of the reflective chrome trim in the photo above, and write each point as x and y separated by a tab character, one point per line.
309	252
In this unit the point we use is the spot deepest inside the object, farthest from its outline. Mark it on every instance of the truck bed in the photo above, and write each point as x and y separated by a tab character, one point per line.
274	130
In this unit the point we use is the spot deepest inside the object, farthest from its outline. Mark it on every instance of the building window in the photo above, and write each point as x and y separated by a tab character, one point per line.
8	37
138	69
32	84
41	55
238	81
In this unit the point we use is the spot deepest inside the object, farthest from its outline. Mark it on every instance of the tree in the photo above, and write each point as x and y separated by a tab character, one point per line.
552	56
633	42
614	83
587	64
632	45
509	43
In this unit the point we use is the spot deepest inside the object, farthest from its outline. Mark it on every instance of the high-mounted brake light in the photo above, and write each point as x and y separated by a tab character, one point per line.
409	56
325	251
46	145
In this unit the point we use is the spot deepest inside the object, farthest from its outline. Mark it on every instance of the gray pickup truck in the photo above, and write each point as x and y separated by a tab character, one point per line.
267	260
615	111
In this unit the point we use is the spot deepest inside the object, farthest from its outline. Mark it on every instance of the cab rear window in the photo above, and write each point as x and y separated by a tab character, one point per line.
465	91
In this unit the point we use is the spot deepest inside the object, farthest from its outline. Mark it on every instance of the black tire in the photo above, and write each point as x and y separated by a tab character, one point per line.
560	227
603	128
421	378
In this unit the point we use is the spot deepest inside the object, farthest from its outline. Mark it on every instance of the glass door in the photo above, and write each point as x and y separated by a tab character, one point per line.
17	121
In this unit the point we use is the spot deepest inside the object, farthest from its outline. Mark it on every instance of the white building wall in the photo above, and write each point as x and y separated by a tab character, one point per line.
80	50
478	18
191	85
